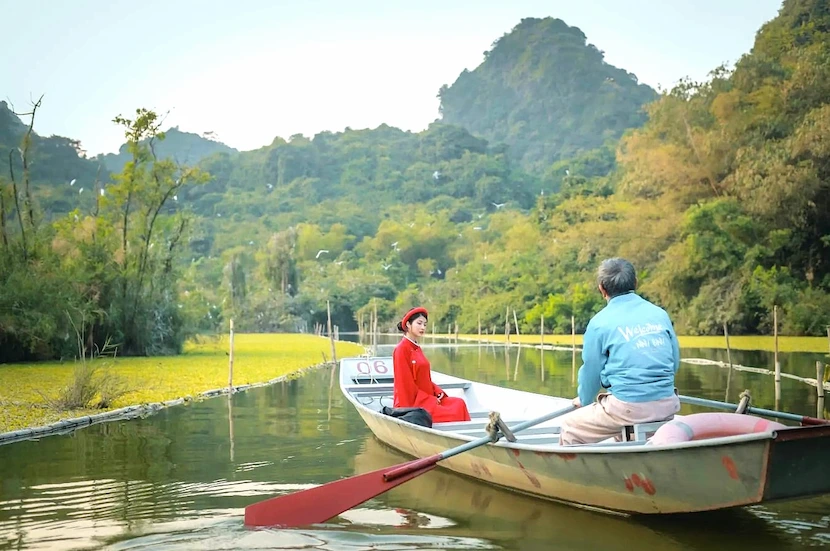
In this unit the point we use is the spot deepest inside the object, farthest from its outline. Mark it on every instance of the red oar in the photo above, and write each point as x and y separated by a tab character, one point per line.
321	503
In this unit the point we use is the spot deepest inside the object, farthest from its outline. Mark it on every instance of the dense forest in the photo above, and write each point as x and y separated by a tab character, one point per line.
547	94
545	160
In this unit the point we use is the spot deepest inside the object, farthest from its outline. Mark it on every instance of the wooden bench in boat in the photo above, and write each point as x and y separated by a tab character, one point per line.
387	388
544	435
641	431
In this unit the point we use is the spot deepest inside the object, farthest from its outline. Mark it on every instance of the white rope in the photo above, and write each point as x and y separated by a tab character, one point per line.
738	367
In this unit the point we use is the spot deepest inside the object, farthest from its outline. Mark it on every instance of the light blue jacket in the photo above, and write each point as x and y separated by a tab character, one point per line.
629	348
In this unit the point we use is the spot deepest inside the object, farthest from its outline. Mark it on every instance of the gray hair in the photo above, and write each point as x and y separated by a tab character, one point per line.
617	276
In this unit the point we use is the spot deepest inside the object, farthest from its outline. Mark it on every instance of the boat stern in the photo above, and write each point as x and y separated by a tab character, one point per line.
798	463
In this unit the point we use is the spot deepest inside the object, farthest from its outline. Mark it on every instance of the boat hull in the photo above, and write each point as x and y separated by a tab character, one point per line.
678	480
796	467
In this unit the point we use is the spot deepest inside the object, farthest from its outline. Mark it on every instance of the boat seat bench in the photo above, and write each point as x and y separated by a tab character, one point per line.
641	431
387	389
630	433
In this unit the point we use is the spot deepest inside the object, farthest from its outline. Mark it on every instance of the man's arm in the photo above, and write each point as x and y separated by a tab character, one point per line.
593	361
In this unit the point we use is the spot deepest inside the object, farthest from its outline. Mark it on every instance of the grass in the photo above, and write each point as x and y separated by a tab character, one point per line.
203	366
785	344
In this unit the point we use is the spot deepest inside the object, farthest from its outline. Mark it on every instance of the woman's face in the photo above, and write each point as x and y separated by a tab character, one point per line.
417	327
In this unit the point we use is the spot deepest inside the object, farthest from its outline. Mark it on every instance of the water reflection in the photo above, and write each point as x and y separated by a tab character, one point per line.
503	516
181	479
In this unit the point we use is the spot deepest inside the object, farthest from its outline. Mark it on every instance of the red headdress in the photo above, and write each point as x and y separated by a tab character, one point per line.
406	317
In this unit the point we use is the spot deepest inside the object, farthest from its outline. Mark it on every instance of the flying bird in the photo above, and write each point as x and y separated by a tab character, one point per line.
321	251
72	183
386	266
499	205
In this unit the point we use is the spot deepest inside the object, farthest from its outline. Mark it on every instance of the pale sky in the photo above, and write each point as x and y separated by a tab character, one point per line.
251	70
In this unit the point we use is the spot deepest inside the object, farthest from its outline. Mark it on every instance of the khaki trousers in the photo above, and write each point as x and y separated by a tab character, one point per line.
607	416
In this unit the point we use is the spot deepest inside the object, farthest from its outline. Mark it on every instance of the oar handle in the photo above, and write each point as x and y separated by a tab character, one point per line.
803	419
411	467
419	464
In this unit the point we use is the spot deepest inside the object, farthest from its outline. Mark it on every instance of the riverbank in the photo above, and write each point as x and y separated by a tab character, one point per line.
26	389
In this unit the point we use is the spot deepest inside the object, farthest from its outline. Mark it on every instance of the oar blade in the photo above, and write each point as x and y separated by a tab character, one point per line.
321	503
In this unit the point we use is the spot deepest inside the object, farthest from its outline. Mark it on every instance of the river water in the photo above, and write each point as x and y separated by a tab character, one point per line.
180	479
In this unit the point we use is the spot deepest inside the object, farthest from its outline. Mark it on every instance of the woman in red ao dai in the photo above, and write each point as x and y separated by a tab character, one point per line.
413	383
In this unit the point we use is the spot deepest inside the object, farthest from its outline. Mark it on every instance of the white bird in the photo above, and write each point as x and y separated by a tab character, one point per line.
411	224
499	205
175	197
339	262
72	183
395	245
436	175
102	192
80	191
567	172
270	186
477	228
386	266
321	251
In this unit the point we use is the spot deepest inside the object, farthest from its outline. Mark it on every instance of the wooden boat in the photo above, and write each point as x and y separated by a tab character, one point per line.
633	476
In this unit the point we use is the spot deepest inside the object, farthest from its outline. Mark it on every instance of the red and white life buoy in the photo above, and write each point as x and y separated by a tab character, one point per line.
699	426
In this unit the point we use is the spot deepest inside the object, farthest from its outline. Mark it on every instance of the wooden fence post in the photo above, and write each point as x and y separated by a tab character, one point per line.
331	334
729	360
516	322
777	363
230	361
573	348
